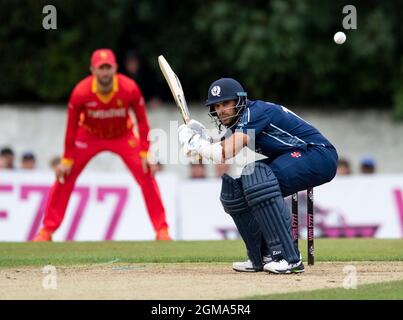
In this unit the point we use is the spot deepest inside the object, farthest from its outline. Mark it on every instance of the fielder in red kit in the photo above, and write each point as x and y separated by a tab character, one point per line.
98	120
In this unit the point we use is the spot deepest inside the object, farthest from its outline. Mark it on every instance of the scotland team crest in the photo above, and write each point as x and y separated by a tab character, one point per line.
215	91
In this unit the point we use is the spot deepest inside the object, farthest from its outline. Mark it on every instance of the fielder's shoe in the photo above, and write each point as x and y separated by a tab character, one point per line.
43	236
247	266
283	267
163	235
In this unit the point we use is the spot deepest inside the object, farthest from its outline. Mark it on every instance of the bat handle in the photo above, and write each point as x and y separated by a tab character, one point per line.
186	119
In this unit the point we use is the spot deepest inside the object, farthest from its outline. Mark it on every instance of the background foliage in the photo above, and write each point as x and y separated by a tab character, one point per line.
280	50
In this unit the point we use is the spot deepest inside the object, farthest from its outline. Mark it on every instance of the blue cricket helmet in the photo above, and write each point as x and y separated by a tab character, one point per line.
225	89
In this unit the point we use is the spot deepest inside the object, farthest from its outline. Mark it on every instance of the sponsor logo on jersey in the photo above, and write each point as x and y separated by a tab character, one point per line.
106	114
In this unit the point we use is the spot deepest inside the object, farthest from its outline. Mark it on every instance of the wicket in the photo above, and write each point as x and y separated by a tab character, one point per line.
309	222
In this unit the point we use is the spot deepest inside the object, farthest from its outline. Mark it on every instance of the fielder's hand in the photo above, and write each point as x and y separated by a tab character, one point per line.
146	163
63	170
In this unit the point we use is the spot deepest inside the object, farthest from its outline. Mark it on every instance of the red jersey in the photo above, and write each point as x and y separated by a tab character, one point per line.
105	116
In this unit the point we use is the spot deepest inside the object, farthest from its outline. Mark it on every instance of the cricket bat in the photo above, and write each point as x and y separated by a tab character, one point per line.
176	88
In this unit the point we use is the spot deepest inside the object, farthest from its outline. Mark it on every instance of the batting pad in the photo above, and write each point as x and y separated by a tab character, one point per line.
236	206
263	194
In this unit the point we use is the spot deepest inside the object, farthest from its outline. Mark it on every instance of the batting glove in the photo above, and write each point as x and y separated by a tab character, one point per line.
185	135
196	126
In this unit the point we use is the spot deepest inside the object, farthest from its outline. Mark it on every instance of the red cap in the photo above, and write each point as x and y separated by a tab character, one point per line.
103	56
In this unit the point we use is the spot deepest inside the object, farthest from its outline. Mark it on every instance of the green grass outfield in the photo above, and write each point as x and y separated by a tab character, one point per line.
75	253
86	253
378	291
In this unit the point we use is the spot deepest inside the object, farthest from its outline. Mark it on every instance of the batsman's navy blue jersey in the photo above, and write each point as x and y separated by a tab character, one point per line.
299	155
277	130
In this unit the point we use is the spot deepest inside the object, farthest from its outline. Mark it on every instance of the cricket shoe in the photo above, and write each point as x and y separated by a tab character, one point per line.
247	266
283	267
43	236
163	235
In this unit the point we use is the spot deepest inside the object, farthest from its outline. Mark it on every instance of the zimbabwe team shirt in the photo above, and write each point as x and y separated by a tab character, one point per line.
105	116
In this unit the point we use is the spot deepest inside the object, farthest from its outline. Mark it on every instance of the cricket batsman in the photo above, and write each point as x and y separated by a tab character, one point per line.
298	157
98	120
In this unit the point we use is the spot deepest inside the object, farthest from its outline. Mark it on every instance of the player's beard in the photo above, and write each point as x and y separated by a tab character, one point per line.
105	81
231	122
225	120
228	119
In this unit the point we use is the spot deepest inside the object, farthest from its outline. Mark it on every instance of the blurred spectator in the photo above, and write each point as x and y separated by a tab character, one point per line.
7	158
367	165
158	167
28	161
136	69
222	168
197	171
54	162
343	167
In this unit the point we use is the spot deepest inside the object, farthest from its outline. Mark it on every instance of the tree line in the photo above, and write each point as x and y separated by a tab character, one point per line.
280	50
